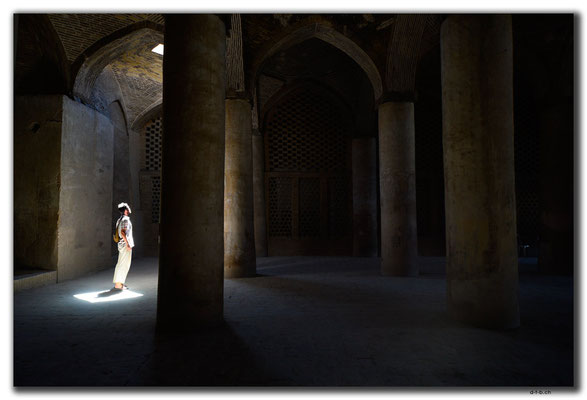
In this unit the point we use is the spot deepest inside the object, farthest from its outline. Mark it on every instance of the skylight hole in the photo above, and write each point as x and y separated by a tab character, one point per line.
158	49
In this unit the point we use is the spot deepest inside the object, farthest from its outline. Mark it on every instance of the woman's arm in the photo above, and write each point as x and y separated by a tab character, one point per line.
123	234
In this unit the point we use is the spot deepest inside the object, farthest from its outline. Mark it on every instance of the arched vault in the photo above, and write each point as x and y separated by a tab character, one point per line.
332	37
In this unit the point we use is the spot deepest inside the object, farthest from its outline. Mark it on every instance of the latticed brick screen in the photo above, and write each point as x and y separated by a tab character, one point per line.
280	206
307	133
338	206
156	199
308	166
151	190
153	145
309	207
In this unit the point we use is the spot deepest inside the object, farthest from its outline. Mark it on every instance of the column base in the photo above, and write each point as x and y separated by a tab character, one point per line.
481	303
399	269
231	272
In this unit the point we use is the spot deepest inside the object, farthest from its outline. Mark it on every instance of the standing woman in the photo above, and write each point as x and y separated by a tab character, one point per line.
125	245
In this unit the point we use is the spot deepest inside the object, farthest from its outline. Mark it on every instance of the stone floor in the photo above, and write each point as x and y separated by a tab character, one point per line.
304	321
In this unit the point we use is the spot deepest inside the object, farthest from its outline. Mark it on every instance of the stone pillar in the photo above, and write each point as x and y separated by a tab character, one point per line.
478	143
364	197
239	231
397	180
191	255
259	195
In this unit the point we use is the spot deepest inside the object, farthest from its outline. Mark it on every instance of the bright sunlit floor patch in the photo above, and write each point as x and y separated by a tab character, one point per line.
107	295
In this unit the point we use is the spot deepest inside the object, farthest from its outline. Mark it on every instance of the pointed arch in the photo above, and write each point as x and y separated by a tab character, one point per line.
90	63
332	37
153	111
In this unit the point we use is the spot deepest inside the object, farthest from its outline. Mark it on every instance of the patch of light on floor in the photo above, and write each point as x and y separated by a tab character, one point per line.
107	295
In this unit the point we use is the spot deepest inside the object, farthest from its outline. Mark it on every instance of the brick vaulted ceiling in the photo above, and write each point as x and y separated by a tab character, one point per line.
95	47
137	70
134	66
78	32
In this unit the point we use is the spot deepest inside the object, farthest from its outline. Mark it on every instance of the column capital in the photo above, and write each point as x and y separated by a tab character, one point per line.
397	97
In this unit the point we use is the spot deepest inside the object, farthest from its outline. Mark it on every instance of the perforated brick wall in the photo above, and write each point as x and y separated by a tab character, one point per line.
151	169
308	144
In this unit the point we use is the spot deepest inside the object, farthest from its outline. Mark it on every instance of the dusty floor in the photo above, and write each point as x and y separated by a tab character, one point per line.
304	321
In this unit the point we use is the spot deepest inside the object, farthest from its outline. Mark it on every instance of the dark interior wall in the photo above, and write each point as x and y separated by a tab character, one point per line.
121	165
62	161
62	186
558	154
138	216
526	159
37	163
429	158
544	75
85	200
557	218
365	207
125	181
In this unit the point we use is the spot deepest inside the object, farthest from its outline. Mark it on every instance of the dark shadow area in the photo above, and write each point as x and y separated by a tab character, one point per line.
109	293
375	330
212	357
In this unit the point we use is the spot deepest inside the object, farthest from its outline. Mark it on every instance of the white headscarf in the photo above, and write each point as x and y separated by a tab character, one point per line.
125	205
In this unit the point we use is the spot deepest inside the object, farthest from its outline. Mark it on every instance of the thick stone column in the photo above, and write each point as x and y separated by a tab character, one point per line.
191	255
478	142
239	231
259	195
397	180
365	197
